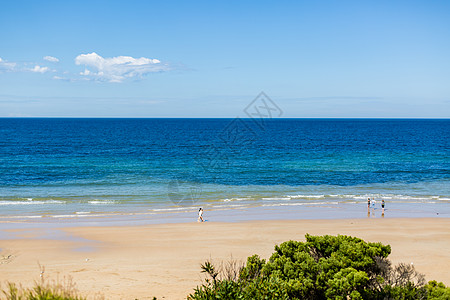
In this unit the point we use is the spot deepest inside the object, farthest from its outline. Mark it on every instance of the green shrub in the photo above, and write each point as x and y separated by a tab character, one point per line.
323	267
437	291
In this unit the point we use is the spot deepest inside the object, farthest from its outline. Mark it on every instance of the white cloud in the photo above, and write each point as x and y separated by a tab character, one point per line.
39	69
6	66
56	77
21	67
86	72
51	59
119	68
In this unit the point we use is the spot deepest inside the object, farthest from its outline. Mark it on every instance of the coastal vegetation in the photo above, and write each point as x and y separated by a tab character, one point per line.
322	267
42	291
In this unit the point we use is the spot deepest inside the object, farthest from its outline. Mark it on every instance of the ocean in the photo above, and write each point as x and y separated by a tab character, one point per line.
64	168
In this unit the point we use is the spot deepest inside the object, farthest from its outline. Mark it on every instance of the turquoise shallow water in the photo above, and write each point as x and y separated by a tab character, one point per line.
74	168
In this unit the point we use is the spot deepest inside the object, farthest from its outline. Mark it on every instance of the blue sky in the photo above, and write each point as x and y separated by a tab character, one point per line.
211	58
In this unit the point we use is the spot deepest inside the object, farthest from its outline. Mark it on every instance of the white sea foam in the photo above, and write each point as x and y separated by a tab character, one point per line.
96	202
188	208
300	204
81	215
365	196
31	202
237	199
305	196
229	206
21	217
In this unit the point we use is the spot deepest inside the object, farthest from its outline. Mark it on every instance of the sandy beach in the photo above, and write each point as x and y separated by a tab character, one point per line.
164	260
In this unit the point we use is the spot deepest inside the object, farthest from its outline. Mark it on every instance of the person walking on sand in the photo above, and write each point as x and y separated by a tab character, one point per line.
382	205
200	215
368	203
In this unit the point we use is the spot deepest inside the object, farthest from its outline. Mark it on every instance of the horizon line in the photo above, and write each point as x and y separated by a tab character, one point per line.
116	117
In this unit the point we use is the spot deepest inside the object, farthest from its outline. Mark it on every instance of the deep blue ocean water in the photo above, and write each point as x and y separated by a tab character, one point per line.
74	167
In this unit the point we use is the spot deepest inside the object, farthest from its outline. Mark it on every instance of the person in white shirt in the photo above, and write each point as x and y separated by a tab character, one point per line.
200	215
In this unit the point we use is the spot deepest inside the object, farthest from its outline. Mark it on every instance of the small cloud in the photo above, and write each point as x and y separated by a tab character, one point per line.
56	77
119	68
39	69
6	66
86	72
51	59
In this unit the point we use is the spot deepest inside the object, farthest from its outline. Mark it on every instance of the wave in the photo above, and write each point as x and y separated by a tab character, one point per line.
229	206
376	196
31	202
102	202
237	199
277	198
307	196
21	217
187	208
300	203
347	198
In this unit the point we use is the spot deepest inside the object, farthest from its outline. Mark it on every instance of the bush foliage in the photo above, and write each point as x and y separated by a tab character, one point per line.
323	267
42	291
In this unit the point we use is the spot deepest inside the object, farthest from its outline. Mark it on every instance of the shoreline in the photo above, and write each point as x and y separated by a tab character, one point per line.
287	211
159	260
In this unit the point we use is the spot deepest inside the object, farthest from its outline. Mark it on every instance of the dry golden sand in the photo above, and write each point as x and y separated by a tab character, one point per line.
164	260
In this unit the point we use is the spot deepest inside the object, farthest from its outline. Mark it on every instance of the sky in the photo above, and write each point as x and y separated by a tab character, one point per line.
330	59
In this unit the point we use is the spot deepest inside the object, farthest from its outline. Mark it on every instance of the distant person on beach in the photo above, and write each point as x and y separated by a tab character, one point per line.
368	202
382	205
373	203
200	215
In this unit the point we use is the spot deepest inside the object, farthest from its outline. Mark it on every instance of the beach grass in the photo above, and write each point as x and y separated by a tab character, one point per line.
42	291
